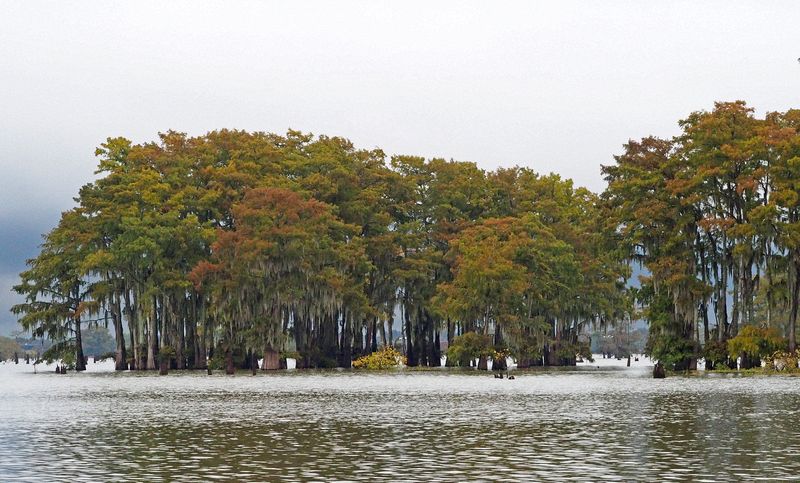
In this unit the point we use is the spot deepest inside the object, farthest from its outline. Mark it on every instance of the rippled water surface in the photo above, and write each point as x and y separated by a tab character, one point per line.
585	424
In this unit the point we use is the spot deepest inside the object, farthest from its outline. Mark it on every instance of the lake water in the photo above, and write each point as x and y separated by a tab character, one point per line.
587	423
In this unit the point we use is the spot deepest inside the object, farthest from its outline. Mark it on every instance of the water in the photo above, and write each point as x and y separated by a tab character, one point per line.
590	423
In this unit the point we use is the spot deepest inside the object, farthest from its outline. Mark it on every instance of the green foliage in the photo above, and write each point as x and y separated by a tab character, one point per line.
386	358
166	354
570	350
97	340
468	347
668	341
63	351
756	342
217	361
715	352
713	214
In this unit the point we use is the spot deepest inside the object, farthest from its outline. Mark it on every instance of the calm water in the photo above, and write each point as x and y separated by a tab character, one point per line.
585	424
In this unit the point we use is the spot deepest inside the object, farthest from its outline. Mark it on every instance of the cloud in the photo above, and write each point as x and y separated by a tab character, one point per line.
8	321
19	241
557	86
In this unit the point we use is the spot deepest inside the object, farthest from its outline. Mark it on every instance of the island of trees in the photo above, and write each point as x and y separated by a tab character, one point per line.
236	246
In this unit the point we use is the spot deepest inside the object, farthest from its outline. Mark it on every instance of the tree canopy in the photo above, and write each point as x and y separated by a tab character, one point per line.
712	214
234	246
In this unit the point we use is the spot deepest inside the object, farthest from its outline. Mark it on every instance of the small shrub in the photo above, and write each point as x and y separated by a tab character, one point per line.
783	361
715	353
386	358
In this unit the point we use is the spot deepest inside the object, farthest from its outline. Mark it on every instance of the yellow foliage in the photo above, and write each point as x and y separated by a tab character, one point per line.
385	358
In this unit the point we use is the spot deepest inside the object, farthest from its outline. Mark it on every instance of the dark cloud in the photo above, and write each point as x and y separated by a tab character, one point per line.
19	241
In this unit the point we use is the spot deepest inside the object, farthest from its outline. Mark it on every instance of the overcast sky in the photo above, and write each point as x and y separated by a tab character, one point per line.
557	86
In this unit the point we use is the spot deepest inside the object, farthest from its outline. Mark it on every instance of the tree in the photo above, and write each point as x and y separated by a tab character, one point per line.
57	294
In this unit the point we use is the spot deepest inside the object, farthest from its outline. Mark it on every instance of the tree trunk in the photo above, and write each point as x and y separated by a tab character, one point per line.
737	305
202	341
346	352
190	342
80	359
120	356
151	340
411	356
795	300
180	357
230	368
723	330
420	331
384	340
133	327
436	353
271	360
390	326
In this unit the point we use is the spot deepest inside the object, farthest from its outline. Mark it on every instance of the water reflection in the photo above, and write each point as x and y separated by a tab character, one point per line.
434	425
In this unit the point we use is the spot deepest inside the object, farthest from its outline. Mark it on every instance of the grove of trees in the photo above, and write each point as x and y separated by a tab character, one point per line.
237	246
234	246
714	216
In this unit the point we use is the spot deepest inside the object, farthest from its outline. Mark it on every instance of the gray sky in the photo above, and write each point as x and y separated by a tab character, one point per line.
557	86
